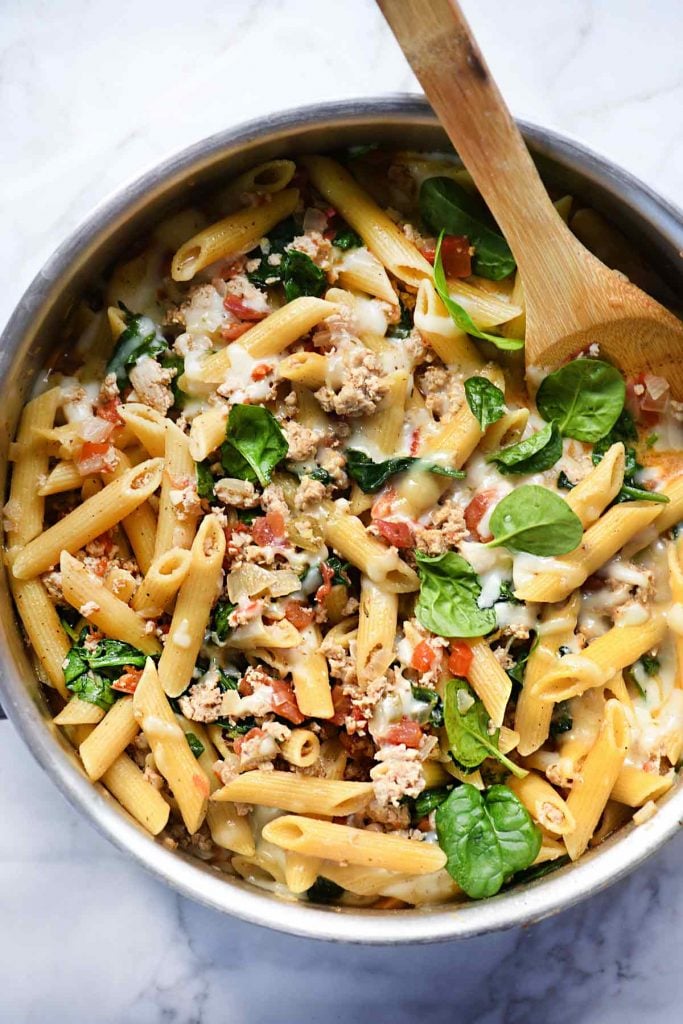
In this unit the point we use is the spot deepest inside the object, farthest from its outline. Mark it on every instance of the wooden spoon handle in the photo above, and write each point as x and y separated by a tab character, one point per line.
444	55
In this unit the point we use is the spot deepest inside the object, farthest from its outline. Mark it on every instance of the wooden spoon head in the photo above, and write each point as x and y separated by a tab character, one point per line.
599	306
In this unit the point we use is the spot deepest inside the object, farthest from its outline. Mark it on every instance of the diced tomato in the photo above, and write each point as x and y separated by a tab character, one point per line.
460	658
95	457
456	256
406	731
128	681
476	510
383	505
268	529
341	702
239	309
261	371
251	735
298	615
284	702
399	535
233	331
415	439
326	586
429	253
109	410
424	657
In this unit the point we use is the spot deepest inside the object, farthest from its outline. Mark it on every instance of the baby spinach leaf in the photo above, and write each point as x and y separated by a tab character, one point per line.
300	275
449	592
114	654
141	337
324	891
563	482
446	206
93	688
585	398
254	444
468	733
219	621
486	838
428	801
460	316
340	570
486	401
561	720
404	326
534	519
205	481
624	430
533	455
195	744
371	476
433	712
347	239
172	361
537	871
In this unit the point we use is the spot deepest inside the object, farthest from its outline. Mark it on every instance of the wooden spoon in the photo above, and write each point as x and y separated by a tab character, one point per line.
572	299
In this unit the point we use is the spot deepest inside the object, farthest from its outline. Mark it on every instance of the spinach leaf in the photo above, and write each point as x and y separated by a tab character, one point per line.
507	594
228	682
468	733
195	744
650	663
281	235
521	655
428	801
340	570
561	720
93	688
141	338
486	838
433	705
564	483
114	654
205	481
300	275
173	361
537	871
89	672
219	620
460	316
486	401
321	475
405	324
449	592
69	618
254	444
324	891
371	476
536	520
347	239
448	207
585	398
624	430
234	729
533	455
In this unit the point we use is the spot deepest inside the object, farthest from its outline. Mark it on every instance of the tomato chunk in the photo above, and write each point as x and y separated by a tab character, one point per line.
456	256
284	702
298	614
324	589
109	410
460	658
268	529
239	309
424	657
477	509
406	731
399	535
128	681
95	457
341	702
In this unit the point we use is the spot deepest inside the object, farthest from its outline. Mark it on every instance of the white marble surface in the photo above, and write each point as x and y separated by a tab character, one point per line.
91	94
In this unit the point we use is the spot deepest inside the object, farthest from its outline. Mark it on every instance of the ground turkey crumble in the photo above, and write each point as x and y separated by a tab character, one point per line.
362	387
445	529
303	442
443	392
152	384
309	494
398	774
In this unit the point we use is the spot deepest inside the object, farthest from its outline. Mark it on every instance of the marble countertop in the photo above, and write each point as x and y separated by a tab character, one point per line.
91	95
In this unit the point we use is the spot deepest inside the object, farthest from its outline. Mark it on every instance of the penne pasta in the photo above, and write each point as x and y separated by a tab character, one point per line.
303	794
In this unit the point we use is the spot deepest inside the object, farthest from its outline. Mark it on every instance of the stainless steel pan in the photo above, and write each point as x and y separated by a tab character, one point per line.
402	121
